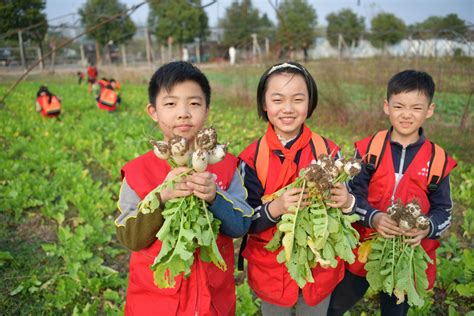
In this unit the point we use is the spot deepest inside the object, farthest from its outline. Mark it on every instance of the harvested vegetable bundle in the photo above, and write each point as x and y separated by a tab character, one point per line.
392	265
188	224
317	233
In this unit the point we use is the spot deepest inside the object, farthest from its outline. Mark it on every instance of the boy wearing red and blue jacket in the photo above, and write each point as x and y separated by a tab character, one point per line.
401	174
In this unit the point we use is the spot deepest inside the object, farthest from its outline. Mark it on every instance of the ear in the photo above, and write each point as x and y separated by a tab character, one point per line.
385	107
150	108
431	109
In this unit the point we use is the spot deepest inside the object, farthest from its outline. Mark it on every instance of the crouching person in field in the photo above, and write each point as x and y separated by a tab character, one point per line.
47	103
108	98
179	98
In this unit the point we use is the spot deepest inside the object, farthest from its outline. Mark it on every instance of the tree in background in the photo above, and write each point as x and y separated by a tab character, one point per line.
118	31
346	23
181	20
297	21
240	21
448	27
386	28
20	14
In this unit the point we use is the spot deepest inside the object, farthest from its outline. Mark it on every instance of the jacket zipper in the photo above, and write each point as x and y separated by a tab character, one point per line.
400	172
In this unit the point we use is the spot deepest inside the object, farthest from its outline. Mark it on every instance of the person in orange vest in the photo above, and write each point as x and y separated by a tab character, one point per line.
108	98
116	86
92	74
399	170
286	97
179	99
47	103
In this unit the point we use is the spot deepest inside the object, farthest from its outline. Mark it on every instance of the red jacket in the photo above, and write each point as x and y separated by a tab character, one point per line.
269	279
208	290
413	185
107	99
49	109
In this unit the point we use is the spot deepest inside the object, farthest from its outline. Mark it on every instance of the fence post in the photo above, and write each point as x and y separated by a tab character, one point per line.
22	52
83	55
147	46
124	55
40	58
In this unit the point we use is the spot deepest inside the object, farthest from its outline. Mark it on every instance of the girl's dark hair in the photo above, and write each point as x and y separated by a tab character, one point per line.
45	90
168	75
411	80
292	68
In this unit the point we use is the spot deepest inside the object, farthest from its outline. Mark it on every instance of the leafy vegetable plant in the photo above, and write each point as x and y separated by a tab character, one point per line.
392	265
317	233
188	224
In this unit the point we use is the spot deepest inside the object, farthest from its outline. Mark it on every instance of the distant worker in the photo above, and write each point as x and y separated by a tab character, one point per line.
185	54
108	97
47	103
232	53
92	73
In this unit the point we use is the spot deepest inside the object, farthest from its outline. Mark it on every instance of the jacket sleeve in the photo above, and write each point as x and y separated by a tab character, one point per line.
441	205
231	208
136	228
261	219
360	188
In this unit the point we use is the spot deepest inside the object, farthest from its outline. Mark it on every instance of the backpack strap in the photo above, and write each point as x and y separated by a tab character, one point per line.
375	150
261	160
319	145
437	168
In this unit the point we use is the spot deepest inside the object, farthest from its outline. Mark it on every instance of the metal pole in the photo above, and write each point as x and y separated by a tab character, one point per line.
147	46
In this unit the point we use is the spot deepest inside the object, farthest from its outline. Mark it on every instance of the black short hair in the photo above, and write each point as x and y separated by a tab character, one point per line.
411	80
292	68
172	73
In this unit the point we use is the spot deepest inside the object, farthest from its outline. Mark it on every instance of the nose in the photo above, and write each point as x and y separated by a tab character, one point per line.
288	107
184	112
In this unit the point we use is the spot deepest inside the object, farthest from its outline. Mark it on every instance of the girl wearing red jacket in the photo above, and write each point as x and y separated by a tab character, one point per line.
286	96
47	103
179	96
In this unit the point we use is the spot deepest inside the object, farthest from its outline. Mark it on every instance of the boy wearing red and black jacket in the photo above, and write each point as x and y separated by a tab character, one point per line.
402	173
179	100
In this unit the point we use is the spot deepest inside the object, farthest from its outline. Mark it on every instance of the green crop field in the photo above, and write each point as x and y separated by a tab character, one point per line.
59	180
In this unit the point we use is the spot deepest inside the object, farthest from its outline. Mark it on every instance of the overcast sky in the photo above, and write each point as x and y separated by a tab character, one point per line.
411	11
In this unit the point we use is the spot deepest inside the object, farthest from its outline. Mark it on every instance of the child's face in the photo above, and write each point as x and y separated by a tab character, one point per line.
286	103
407	112
181	111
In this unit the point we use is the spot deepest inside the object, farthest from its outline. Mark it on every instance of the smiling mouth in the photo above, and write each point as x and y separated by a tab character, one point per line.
183	127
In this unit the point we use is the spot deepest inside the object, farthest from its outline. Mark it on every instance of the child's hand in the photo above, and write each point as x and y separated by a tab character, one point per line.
340	197
203	185
282	204
179	189
386	226
417	235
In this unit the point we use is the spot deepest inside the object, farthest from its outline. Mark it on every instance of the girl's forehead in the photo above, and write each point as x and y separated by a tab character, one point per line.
281	79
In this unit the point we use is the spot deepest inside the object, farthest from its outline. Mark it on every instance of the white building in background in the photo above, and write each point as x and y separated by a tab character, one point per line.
407	47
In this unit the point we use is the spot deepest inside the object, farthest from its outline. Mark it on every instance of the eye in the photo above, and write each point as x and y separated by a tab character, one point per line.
169	104
418	108
276	101
299	100
195	104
